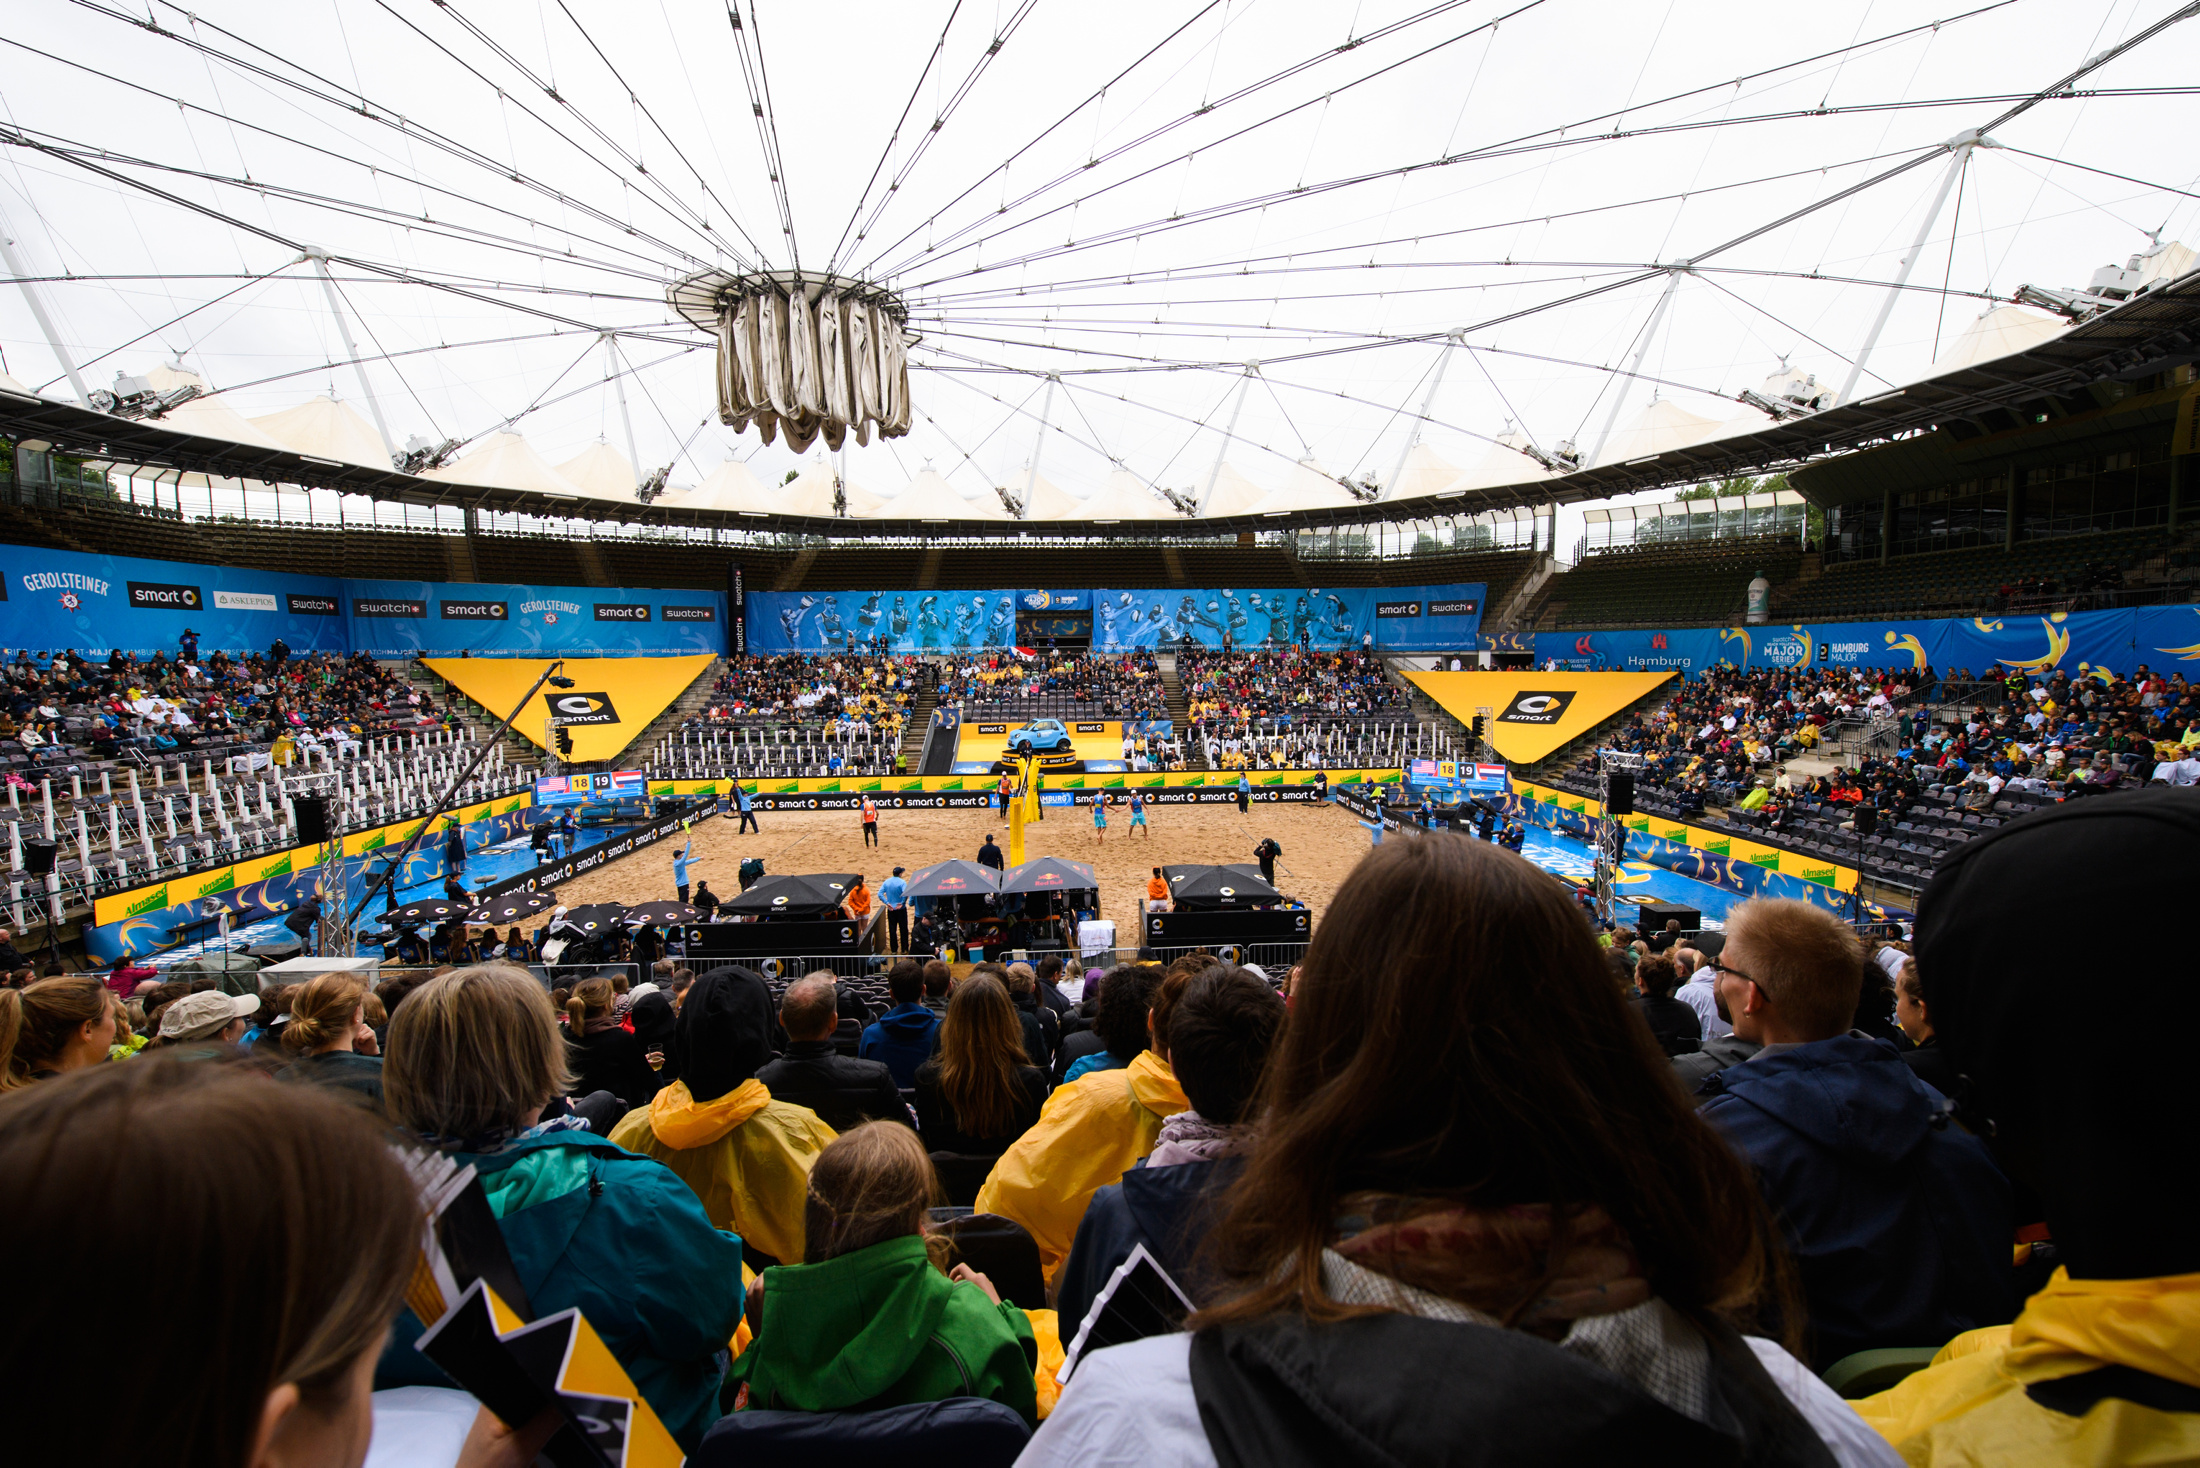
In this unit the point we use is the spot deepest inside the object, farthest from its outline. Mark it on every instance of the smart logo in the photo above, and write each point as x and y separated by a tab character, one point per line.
582	708
1536	707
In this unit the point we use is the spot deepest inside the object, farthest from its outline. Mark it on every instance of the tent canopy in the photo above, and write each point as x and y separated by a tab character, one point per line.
1050	874
507	461
1997	333
1048	501
1232	494
731	486
1124	496
817	895
930	497
1661	426
1308	487
1205	888
1424	473
956	878
327	429
600	472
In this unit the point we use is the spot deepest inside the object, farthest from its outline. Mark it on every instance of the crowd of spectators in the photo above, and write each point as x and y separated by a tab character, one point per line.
842	691
1475	1175
1242	686
67	707
1123	687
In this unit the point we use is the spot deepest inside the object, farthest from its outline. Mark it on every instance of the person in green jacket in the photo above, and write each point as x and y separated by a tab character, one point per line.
870	1321
474	1059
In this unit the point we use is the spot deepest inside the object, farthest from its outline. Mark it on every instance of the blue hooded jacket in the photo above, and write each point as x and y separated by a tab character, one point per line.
1168	1209
1899	1221
902	1037
592	1225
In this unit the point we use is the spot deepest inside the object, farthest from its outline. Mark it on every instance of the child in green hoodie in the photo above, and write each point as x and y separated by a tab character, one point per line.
869	1321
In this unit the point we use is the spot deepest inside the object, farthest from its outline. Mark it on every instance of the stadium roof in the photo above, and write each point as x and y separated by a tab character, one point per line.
2155	330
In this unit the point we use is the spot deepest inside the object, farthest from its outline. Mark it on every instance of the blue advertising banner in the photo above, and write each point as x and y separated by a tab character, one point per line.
400	619
2113	644
1399	618
95	604
910	621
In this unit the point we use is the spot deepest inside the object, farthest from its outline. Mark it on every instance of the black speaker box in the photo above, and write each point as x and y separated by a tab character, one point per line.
312	812
39	857
1621	801
1867	821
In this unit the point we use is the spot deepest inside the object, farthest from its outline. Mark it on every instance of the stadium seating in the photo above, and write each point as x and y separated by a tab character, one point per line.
1681	584
1956	583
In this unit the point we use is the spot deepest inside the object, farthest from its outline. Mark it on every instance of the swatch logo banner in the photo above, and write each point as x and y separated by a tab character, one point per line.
1465	608
582	708
1393	609
622	611
387	606
689	614
474	611
1532	707
245	601
165	597
311	606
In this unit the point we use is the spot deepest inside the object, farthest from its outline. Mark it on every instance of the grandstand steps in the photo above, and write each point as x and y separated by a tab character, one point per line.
917	725
790	579
928	574
593	570
1179	709
458	558
1174	564
1426	710
1518	609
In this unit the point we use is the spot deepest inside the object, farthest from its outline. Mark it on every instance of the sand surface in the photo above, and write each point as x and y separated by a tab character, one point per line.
1320	844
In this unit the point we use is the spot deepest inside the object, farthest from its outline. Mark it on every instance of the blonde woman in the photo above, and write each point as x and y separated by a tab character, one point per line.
329	1034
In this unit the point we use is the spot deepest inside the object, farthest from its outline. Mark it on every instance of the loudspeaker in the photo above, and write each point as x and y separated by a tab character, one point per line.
39	856
1621	800
1867	820
312	812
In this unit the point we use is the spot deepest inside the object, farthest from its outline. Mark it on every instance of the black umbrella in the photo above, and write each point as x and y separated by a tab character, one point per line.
587	922
513	907
661	914
957	878
432	910
1197	887
817	895
1050	874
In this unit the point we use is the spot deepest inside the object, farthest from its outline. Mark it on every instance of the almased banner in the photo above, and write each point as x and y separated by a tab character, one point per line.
402	619
2076	643
52	599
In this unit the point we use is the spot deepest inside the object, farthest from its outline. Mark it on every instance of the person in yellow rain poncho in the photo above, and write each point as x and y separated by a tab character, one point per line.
1087	1136
746	1156
2102	1366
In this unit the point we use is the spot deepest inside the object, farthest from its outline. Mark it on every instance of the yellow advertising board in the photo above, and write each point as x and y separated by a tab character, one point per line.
611	701
1533	713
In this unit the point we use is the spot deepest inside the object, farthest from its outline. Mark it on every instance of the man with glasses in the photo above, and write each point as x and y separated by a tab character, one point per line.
1898	1219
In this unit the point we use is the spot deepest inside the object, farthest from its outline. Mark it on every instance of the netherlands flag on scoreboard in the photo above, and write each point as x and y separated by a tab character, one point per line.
1489	772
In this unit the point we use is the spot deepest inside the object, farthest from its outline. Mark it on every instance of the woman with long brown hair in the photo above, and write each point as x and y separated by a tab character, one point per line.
978	1093
1479	1209
605	1054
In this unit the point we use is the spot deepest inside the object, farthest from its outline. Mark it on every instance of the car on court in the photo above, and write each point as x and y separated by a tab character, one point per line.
1039	737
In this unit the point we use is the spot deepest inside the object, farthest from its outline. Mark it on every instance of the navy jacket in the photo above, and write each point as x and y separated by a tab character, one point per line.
1899	1221
902	1038
1168	1209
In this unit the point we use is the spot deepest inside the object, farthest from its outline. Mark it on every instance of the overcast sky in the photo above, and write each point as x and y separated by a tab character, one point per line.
1140	198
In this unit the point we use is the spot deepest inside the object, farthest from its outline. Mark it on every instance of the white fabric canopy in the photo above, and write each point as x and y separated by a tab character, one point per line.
1233	493
507	461
600	472
929	497
1308	487
811	493
1048	500
8	381
213	418
1424	473
327	429
1501	464
1997	333
1123	496
1662	426
731	487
